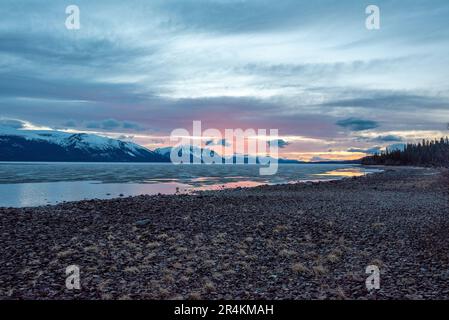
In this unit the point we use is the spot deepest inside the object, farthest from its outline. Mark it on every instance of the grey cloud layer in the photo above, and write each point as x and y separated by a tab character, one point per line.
304	67
357	124
111	124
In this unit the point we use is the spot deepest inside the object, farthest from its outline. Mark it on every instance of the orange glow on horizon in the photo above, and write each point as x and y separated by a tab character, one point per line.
349	173
323	156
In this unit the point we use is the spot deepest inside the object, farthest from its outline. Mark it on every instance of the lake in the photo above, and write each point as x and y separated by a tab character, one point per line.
34	184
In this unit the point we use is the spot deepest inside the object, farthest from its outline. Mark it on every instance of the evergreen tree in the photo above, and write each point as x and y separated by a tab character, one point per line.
425	153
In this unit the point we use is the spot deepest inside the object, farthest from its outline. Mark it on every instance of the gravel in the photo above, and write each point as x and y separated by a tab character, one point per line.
298	241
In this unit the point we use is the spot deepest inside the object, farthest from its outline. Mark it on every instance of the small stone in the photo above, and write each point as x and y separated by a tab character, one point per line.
143	223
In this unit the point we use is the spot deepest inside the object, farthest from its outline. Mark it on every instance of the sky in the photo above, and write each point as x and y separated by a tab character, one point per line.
137	70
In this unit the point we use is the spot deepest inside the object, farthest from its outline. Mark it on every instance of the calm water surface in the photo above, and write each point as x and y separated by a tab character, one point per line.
35	184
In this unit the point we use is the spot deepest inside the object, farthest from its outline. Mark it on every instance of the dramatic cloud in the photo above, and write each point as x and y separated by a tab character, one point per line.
374	150
279	142
390	100
295	65
111	124
388	138
70	124
9	123
357	124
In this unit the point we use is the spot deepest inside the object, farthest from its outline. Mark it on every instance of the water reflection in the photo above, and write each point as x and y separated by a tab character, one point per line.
35	184
229	185
351	172
35	194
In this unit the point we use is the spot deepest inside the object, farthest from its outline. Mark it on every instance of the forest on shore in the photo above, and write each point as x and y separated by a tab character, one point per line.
425	153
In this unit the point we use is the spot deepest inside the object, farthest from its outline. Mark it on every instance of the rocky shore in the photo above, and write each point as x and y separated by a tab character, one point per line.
301	241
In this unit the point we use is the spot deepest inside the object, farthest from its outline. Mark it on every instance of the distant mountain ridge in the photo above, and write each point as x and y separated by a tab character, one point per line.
52	145
195	151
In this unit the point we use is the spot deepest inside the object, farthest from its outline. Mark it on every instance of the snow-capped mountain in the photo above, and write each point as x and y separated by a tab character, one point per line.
196	152
50	145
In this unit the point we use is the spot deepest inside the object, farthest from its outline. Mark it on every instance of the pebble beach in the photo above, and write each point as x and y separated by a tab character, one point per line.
296	241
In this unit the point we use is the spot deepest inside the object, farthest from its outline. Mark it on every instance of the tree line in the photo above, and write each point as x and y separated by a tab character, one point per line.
425	153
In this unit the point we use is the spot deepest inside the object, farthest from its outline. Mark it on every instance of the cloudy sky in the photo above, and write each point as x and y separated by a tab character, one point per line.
139	69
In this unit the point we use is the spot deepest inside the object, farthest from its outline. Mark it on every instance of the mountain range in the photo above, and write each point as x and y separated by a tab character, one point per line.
52	145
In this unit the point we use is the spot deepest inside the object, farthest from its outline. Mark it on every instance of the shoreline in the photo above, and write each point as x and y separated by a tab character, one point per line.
109	190
294	241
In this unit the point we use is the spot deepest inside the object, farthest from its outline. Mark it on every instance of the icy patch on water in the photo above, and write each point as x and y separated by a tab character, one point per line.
35	184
